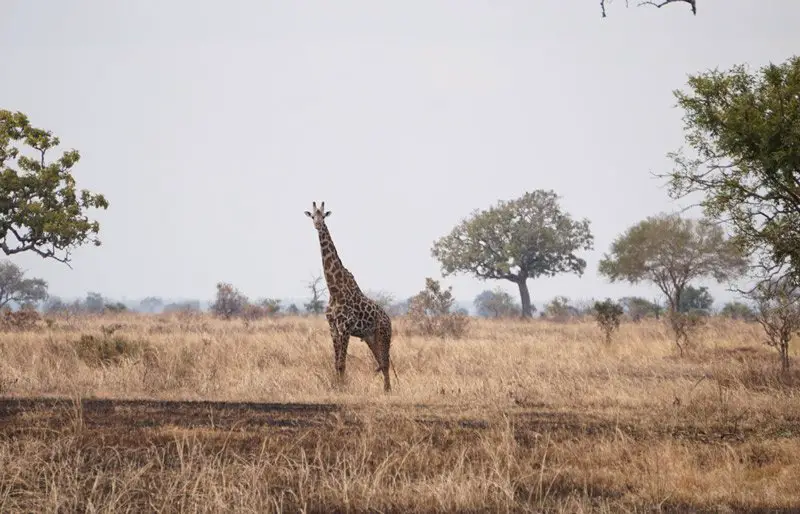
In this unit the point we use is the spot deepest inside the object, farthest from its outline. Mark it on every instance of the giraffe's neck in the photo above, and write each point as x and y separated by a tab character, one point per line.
338	278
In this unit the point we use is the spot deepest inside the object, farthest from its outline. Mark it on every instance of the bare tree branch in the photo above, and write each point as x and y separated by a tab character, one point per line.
662	3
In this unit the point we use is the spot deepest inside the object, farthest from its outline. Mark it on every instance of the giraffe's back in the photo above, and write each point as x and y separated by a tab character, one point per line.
361	316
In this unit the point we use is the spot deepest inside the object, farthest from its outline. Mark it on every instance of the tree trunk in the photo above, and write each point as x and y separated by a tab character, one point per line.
784	352
525	298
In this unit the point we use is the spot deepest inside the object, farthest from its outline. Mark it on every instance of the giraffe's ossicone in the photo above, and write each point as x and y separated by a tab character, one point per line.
350	312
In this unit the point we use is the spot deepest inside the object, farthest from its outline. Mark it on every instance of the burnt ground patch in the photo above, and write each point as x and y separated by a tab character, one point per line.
528	424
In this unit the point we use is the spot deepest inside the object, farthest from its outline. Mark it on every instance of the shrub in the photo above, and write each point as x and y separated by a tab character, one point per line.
684	325
229	301
559	309
21	320
96	351
271	306
607	314
430	315
779	314
252	312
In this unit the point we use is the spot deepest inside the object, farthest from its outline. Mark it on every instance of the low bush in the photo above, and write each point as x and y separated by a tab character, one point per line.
106	350
430	315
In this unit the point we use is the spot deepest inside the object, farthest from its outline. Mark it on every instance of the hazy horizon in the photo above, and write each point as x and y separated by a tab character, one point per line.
211	127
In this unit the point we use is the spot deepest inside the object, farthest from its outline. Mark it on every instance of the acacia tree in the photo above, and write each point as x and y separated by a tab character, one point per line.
670	252
41	211
14	287
516	240
743	135
316	304
778	313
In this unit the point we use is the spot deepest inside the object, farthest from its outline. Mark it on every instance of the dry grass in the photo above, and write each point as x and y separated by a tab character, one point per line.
516	416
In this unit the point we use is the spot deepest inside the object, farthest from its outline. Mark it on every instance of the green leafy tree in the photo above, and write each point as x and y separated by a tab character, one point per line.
670	252
738	310
515	240
696	299
94	302
14	287
639	308
496	304
743	135
41	210
271	306
54	305
151	304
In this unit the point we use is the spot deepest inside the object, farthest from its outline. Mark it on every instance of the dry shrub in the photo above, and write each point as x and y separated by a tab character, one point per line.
96	351
607	315
430	315
168	370
768	378
22	320
684	326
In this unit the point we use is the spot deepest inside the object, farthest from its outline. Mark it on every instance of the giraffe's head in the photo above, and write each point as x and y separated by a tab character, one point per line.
318	214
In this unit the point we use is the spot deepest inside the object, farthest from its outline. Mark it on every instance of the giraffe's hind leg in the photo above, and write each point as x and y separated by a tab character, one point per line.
380	350
340	348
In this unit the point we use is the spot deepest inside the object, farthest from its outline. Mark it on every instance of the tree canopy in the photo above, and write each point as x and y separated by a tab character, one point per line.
670	252
695	299
14	287
40	208
516	240
743	134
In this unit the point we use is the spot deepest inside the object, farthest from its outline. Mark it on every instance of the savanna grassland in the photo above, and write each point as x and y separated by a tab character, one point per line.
166	413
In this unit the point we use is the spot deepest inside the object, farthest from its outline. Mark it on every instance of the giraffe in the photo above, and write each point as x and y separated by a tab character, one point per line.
350	312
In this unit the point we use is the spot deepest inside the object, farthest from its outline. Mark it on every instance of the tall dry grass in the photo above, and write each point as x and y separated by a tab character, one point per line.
555	419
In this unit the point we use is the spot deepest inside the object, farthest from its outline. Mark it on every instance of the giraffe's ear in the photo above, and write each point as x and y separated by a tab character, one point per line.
327	214
308	214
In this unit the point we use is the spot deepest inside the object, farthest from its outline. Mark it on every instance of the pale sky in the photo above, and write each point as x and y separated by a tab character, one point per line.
211	126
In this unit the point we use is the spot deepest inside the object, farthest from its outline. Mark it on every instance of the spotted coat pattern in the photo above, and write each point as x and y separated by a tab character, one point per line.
350	312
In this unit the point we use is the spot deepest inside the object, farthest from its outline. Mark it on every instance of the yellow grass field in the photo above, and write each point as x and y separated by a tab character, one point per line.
515	417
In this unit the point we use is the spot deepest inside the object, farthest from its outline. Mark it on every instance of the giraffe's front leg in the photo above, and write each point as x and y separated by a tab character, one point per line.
340	343
341	353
